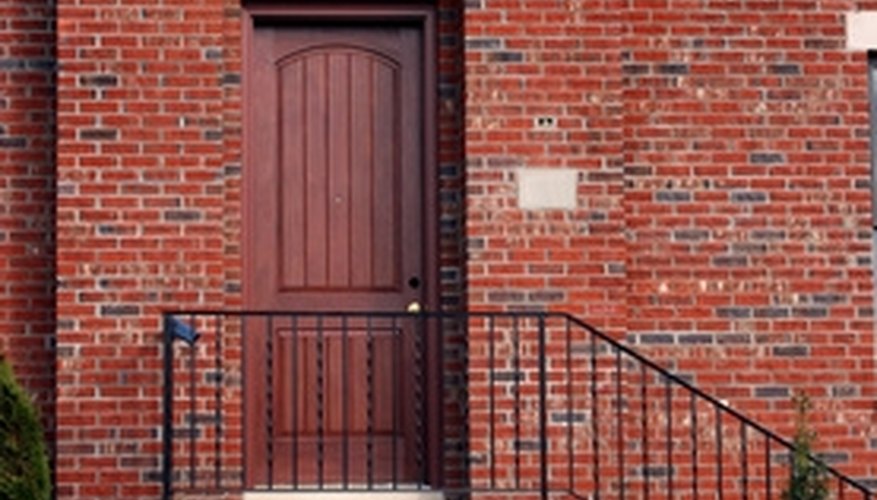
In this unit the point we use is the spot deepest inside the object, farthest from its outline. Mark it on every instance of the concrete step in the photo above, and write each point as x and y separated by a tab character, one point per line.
375	494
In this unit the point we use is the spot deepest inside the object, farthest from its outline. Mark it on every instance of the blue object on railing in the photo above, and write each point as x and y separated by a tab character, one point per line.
183	331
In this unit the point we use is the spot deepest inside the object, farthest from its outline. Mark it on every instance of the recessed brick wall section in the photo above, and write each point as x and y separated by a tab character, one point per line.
150	170
27	191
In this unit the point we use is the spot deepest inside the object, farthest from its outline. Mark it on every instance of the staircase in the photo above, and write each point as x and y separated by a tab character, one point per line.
337	405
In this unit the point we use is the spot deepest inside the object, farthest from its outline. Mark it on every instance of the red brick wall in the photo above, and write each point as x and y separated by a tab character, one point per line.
149	169
140	222
747	208
27	192
722	218
527	59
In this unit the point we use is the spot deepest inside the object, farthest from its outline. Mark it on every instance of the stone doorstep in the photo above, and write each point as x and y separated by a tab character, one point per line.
350	495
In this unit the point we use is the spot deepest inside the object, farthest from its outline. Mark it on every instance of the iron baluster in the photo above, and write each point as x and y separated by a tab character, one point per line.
543	411
668	392
217	413
644	429
719	453
168	414
193	384
595	427
491	400
516	361
619	422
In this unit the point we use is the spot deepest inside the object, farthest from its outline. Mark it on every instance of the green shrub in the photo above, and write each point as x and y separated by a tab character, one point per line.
808	479
24	466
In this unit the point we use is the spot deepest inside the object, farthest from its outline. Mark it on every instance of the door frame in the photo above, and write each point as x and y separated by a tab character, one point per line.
423	16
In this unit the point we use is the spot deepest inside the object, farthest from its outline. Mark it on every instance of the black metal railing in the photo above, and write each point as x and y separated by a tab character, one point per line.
458	402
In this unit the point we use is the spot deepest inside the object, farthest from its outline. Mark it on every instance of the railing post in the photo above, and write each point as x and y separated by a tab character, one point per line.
168	410
543	411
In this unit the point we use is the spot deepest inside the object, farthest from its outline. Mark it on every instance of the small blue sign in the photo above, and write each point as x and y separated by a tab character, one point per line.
183	331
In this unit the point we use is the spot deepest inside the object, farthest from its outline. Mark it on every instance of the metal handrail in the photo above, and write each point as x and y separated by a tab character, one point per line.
544	485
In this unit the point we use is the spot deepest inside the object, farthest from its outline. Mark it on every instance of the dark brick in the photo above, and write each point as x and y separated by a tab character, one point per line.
673	69
604	176
792	351
201	418
823	43
231	170
844	391
213	54
766	158
748	247
42	64
673	196
213	135
483	43
13	142
772	312
691	234
771	392
547	296
615	268
568	417
785	69
12	64
654	471
505	57
656	338
504	161
748	197
505	296
99	80
784	95
230	79
182	215
635	69
734	338
829	298
527	445
695	338
768	234
810	312
98	134
109	229
730	261
734	312
637	170
187	432
120	310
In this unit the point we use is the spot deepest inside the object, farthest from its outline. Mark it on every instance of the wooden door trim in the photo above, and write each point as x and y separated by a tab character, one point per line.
421	15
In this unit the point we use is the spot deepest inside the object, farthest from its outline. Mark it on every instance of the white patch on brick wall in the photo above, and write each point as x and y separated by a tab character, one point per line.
861	30
540	189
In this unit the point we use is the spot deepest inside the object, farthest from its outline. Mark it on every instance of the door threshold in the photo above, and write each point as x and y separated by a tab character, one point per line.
403	492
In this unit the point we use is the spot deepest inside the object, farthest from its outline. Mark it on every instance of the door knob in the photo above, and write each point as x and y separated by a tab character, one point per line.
413	307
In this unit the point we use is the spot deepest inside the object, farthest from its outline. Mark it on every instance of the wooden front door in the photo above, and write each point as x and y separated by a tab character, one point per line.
336	213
